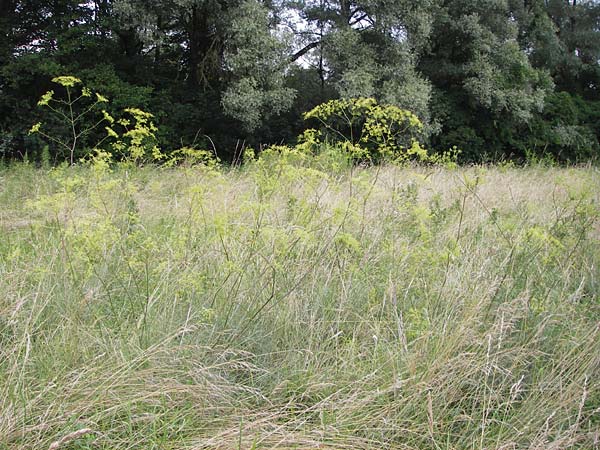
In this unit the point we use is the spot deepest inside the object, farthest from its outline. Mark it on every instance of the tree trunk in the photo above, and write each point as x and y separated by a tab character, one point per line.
345	11
203	58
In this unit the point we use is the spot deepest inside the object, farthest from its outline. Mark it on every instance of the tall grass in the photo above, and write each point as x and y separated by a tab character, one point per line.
287	306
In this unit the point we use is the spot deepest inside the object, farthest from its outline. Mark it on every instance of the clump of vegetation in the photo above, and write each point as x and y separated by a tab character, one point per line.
366	130
500	80
72	112
360	129
291	303
135	142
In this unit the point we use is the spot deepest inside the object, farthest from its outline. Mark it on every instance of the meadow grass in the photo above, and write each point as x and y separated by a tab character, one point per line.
284	305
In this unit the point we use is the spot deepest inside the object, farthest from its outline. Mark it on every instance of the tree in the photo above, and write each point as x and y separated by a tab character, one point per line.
477	73
369	48
575	65
486	87
562	38
254	58
228	46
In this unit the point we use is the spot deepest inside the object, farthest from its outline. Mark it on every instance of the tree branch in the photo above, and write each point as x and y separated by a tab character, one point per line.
300	53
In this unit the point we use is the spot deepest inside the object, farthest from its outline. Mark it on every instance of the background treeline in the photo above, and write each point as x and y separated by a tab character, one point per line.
496	78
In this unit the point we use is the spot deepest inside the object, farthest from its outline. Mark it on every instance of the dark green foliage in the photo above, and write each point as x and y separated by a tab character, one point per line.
568	129
496	78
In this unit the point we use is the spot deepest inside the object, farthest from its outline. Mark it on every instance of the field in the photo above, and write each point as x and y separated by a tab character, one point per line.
288	304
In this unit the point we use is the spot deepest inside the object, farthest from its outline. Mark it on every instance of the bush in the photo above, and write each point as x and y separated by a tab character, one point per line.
365	130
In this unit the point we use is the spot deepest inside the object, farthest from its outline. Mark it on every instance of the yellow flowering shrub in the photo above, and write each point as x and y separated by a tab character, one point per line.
365	130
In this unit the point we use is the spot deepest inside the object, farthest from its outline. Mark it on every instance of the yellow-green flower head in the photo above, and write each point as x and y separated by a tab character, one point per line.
107	117
35	128
66	81
101	98
46	98
111	132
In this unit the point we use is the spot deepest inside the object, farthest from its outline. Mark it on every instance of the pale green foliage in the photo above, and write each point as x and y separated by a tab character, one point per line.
386	72
502	79
245	102
409	90
370	49
355	64
479	49
254	58
232	47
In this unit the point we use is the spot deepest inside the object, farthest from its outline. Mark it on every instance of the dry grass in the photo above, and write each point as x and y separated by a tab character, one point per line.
288	306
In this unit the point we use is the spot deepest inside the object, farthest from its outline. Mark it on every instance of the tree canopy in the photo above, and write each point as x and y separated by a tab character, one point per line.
497	78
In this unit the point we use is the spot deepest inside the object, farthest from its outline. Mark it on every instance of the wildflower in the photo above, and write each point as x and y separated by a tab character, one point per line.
66	81
46	98
35	128
111	132
101	98
107	117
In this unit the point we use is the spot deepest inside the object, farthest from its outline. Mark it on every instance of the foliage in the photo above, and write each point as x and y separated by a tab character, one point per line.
365	129
483	76
567	128
192	156
72	114
254	58
138	142
135	144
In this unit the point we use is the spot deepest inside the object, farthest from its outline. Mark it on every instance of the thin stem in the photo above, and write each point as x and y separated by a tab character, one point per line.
72	119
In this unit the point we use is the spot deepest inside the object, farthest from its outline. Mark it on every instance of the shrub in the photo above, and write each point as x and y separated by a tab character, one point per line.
366	130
